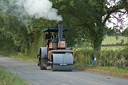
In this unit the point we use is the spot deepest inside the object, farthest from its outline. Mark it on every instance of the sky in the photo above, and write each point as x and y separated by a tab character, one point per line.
118	20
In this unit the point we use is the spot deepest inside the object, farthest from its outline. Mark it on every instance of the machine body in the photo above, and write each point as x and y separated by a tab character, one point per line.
58	55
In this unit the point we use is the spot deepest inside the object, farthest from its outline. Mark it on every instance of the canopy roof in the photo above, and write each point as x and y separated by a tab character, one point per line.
55	29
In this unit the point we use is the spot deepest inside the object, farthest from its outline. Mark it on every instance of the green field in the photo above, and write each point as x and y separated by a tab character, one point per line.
115	43
113	48
113	40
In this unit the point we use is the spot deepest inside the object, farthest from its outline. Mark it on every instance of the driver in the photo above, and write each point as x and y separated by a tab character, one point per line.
55	35
48	36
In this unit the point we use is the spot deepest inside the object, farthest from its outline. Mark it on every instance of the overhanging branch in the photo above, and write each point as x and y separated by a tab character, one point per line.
112	10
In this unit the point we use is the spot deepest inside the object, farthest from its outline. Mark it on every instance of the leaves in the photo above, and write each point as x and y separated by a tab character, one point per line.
83	16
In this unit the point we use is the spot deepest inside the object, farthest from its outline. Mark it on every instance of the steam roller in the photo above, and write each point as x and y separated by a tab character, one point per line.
56	53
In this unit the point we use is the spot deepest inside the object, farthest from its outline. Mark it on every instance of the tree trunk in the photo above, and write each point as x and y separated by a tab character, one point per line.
97	45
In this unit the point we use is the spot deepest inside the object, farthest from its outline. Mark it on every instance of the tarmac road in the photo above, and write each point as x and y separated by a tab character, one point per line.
31	72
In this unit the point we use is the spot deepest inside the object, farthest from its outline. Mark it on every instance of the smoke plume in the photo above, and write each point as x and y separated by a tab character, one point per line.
36	8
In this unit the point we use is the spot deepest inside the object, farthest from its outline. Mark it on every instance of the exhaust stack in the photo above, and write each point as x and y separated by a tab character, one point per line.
61	40
60	30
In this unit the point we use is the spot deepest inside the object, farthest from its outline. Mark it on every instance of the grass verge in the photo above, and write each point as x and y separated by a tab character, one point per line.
111	71
7	78
19	57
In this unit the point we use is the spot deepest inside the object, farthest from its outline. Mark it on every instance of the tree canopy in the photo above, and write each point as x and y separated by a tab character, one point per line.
87	18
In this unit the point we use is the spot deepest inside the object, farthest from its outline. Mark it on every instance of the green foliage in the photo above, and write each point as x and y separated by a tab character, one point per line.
83	16
125	3
1	21
6	42
110	32
125	32
86	17
104	58
39	42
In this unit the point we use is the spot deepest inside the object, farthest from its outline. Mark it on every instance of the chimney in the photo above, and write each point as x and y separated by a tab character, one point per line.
60	30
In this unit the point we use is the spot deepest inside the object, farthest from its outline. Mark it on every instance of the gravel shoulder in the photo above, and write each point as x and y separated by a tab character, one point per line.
31	72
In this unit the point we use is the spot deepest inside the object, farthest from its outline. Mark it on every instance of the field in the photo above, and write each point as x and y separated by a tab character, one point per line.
114	48
113	40
109	43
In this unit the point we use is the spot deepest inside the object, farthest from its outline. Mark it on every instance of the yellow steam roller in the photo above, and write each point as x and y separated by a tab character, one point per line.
56	53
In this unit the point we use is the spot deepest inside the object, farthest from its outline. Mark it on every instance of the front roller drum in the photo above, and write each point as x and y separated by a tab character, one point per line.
62	62
62	68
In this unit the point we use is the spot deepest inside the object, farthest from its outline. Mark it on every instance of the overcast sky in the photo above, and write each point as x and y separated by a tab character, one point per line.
118	20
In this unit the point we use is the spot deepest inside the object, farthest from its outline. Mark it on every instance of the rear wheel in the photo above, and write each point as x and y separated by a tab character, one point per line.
43	64
43	58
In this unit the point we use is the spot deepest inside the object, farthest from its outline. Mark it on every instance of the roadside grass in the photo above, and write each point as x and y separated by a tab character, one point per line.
19	57
7	78
109	62
111	71
113	40
23	57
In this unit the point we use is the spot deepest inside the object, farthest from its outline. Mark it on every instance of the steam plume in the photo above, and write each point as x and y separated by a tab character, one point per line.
37	8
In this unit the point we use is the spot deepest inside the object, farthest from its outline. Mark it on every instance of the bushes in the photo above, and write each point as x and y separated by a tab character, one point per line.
104	58
38	42
83	56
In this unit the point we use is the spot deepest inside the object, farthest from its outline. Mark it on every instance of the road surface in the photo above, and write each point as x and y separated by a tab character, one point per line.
31	72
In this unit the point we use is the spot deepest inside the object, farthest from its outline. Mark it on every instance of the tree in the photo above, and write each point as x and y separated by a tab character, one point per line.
86	17
125	3
1	22
125	32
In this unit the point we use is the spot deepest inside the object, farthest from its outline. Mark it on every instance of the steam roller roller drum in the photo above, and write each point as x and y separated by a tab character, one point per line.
62	62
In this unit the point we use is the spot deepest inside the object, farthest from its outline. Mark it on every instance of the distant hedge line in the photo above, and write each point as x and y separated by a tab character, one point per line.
118	58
